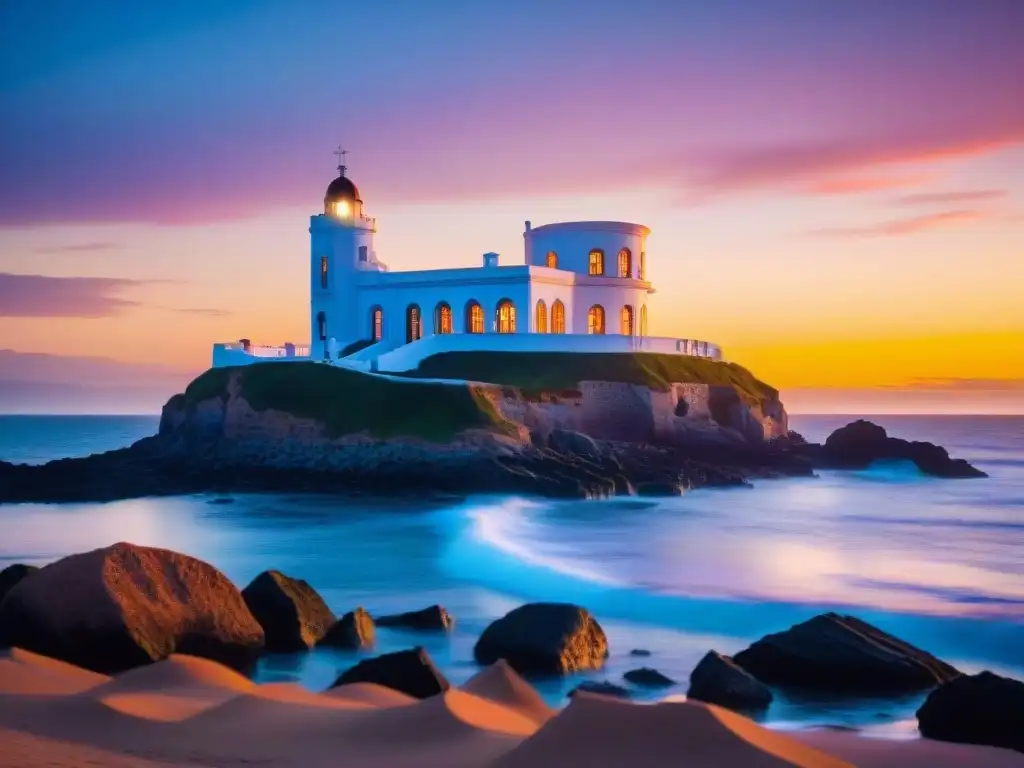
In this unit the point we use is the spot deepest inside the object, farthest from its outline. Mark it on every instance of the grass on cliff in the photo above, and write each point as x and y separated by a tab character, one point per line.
540	371
349	402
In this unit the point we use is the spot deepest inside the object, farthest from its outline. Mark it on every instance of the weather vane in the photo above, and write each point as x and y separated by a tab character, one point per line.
341	159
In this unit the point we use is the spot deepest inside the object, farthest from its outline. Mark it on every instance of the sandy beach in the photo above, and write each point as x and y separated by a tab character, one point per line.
188	711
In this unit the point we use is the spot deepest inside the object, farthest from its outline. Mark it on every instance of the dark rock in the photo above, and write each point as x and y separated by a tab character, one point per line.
433	618
603	687
353	631
573	443
842	655
976	709
544	639
412	672
658	489
292	614
639	652
861	442
11	575
717	679
113	609
648	678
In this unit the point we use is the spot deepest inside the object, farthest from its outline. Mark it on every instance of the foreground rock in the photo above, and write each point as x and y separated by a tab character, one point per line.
433	618
544	639
717	679
353	631
292	614
113	609
842	655
11	575
976	709
412	672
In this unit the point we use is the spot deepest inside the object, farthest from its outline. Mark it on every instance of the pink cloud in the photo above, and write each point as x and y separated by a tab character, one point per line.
905	226
962	196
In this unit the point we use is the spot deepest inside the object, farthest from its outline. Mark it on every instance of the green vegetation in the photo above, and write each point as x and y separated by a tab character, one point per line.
546	371
350	402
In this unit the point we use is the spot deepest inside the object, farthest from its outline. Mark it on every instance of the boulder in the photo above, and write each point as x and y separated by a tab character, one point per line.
842	655
639	652
292	614
603	687
648	678
354	631
412	672
544	639
433	618
717	679
861	442
116	608
11	575
976	709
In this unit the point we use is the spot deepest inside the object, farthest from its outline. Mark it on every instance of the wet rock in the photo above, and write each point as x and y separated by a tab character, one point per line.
573	443
648	678
639	652
842	655
353	631
411	672
544	639
124	606
433	618
292	614
717	679
654	488
603	687
976	709
11	575
861	442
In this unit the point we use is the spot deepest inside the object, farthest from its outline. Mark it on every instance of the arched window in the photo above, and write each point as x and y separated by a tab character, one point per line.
413	324
505	315
643	320
625	263
558	317
595	319
552	260
626	320
443	318
474	317
377	324
541	321
321	325
596	262
323	271
642	273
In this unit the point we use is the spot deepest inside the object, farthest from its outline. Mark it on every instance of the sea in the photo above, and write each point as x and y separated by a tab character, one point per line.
939	563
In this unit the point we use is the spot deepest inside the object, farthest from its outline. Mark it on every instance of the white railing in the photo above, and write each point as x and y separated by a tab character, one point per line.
243	353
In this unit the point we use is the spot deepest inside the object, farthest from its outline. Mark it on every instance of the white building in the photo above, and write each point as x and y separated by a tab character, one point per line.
582	286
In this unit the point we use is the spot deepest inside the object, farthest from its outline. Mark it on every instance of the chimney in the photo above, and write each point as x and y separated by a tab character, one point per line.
490	259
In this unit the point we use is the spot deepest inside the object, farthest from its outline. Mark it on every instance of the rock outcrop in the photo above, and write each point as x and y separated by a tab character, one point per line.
433	618
648	677
976	709
717	679
293	616
13	574
412	672
353	631
602	687
113	609
544	639
842	655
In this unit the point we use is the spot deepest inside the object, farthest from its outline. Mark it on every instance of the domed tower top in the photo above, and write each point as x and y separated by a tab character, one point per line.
342	200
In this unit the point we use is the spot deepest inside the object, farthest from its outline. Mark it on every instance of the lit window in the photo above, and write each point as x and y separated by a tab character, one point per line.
643	320
643	266
323	271
595	319
542	317
552	260
363	254
558	317
413	327
625	263
342	208
506	316
377	318
321	324
626	320
474	318
443	318
597	262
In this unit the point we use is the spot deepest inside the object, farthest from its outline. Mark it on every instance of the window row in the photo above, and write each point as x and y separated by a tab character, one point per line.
596	264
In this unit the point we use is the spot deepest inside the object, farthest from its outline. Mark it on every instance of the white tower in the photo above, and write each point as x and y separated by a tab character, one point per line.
341	246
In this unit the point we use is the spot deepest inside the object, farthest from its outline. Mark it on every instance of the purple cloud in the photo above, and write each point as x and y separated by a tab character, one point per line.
44	296
97	247
906	226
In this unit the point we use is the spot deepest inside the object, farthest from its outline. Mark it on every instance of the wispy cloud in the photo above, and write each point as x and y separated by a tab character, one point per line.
859	184
96	247
45	296
206	311
953	198
906	226
960	385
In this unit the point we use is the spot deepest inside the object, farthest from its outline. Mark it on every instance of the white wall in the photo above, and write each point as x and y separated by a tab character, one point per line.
573	241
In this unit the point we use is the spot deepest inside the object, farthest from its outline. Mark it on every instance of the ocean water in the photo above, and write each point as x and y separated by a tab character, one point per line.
939	563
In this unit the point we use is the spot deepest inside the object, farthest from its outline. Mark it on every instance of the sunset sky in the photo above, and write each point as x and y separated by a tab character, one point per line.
835	189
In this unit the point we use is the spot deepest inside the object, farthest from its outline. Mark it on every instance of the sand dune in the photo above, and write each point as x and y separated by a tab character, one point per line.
196	713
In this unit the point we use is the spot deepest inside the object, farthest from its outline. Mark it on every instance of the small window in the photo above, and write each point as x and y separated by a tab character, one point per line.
643	320
443	318
541	320
321	325
506	316
595	319
596	262
363	253
558	317
323	271
474	317
413	326
377	324
625	263
642	274
626	320
552	260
